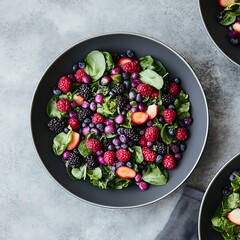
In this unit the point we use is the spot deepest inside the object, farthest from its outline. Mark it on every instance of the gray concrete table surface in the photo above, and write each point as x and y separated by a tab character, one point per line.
32	34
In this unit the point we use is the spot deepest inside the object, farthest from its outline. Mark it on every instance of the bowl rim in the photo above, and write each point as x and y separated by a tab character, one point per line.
209	185
210	36
171	50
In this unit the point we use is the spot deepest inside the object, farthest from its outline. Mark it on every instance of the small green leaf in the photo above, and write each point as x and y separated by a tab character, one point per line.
150	77
165	135
137	155
95	174
61	141
80	173
52	110
108	108
228	19
82	148
109	60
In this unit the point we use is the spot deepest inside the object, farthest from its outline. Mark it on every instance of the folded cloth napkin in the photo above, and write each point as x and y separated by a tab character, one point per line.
183	222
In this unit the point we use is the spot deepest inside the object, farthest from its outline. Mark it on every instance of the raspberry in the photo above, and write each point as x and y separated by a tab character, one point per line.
145	89
182	134
155	93
63	105
168	161
174	89
79	74
93	144
131	67
97	118
74	123
148	154
169	115
123	155
143	141
151	134
109	157
64	84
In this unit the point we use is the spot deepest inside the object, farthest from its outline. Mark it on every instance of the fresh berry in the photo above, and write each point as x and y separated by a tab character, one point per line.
75	141
152	111
145	89
139	117
74	160
119	88
155	93
131	67
148	154
181	134
97	118
123	61
131	134
55	125
227	191
151	134
64	84
167	99
79	74
123	155
85	91
166	85
78	99
174	89
168	161
143	141
130	53
109	157
74	123
169	115
57	91
161	148
121	101
91	162
93	144
225	3
125	172
83	113
63	105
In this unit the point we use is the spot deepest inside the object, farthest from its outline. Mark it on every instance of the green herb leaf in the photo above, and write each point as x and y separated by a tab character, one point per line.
109	60
82	148
165	135
146	62
137	155
52	110
150	77
108	108
95	174
127	121
80	173
228	19
68	96
69	172
157	124
120	183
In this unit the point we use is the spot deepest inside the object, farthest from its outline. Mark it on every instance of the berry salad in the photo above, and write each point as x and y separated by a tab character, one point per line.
226	219
230	16
119	120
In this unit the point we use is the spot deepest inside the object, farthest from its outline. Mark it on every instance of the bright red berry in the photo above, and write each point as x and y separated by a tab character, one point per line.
169	115
63	105
151	134
109	157
174	89
155	93
93	144
143	141
181	134
168	161
131	67
148	154
145	89
123	155
97	118
74	123
65	84
79	74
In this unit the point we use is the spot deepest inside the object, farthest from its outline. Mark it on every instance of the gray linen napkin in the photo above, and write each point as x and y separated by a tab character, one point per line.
183	222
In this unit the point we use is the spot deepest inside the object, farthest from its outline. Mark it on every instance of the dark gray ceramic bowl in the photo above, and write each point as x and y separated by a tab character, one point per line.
132	196
217	32
212	198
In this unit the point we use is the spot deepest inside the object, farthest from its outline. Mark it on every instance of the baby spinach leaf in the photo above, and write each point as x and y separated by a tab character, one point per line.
165	135
182	106
61	141
68	96
52	110
146	62
127	121
236	184
69	172
222	224
150	77
95	174
120	183
95	65
233	201
228	19
108	108
154	175
159	68
103	89
82	148
137	155
80	173
109	60
157	124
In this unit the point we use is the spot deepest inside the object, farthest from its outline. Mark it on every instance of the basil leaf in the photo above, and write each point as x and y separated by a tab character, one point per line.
80	173
137	155
82	148
95	65
150	77
52	110
61	141
109	60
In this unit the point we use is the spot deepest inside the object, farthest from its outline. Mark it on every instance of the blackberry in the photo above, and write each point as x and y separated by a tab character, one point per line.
55	125
83	113
85	91
167	99
106	142
91	162
121	101
161	148
119	88
131	134
74	160
166	85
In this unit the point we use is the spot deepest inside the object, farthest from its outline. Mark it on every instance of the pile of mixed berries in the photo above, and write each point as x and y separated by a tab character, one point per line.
116	125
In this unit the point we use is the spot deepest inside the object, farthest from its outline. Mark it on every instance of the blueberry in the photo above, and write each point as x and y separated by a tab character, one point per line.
66	130
127	84
236	173
238	18
95	131
123	138
227	191
172	131
125	76
123	55
75	67
81	64
149	144
113	168
120	131
84	124
116	141
230	28
124	145
130	53
91	125
182	147
119	164
159	159
129	164
178	156
124	112
142	132
139	97
232	177
100	126
112	94
234	41
177	80
87	120
171	106
182	91
57	91
188	121
141	167
161	119
111	147
132	95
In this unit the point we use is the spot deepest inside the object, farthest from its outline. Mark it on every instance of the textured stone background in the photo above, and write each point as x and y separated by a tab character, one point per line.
32	34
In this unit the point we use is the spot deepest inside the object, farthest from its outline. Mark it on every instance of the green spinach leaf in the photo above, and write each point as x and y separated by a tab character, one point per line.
108	108
165	135
80	173
119	183
109	60
52	110
95	174
228	19
61	141
150	77
82	148
137	155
